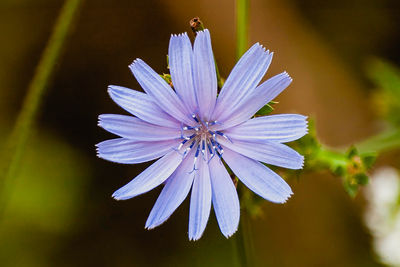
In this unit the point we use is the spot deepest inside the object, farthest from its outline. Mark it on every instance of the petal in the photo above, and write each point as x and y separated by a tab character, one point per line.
255	100
245	77
180	54
258	177
269	152
173	193
136	129
141	105
279	128
122	150
200	201
151	177
204	74
159	90
224	198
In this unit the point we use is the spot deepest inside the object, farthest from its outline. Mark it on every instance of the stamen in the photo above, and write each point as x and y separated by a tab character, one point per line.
224	135
213	123
212	133
181	144
203	148
195	159
190	128
189	148
210	149
213	143
221	150
190	137
195	118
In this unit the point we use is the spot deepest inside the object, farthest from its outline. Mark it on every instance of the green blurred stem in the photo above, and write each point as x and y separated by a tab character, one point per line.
384	141
17	141
245	241
242	8
244	235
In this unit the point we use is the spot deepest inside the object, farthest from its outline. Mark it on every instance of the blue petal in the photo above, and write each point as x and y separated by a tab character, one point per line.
255	100
258	177
279	128
244	78
200	202
205	77
224	198
160	91
151	177
122	150
173	194
136	129
265	151
180	55
141	105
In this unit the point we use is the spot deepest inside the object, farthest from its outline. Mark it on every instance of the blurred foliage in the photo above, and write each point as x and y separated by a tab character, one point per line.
44	201
386	97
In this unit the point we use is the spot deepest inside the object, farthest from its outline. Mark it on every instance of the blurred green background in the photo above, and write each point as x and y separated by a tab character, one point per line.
59	210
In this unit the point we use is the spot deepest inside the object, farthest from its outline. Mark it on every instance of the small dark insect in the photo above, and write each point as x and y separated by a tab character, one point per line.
196	25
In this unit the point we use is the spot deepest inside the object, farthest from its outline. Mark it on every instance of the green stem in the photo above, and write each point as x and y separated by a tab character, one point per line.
242	8
331	158
32	102
384	141
244	235
245	241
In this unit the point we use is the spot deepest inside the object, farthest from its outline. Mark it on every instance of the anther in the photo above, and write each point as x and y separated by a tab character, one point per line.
213	123
224	135
195	159
203	149
189	148
190	137
195	118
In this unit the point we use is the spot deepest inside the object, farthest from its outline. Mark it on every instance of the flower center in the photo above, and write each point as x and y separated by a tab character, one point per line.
202	139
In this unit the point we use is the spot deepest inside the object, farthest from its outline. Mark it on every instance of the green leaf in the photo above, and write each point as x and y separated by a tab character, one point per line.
265	110
368	160
361	178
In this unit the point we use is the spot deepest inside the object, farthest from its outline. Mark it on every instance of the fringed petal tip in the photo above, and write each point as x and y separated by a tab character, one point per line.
115	196
150	225
183	34
265	50
228	235
99	121
112	90
134	62
302	162
120	196
195	237
285	199
198	236
205	31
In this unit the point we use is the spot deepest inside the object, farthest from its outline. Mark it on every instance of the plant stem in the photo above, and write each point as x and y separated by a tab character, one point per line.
242	8
384	141
245	241
32	102
244	235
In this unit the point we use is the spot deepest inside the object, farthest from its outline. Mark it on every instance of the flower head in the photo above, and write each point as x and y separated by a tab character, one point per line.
193	132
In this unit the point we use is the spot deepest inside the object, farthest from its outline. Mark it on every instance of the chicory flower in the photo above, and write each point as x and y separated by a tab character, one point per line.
194	130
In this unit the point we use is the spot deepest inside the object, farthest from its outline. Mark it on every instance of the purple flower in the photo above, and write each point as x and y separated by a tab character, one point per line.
193	131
